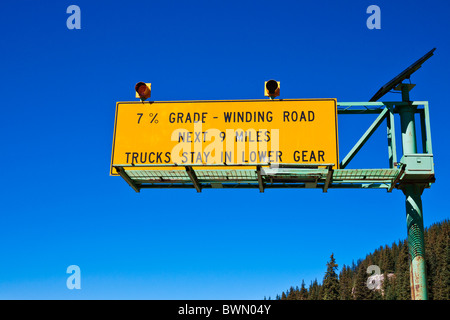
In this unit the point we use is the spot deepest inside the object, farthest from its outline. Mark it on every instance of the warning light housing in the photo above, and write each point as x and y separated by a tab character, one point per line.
272	88
143	90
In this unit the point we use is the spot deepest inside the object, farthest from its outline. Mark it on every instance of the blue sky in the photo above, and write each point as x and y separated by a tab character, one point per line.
60	207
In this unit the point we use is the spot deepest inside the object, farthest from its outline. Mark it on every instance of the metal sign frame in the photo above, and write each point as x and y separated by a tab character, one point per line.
323	176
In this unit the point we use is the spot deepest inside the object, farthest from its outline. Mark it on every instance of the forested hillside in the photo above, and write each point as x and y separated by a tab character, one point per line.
393	262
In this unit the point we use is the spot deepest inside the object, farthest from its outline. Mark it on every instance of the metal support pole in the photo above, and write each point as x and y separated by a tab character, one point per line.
414	217
416	244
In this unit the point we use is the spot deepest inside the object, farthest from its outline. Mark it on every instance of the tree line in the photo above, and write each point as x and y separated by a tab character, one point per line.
393	282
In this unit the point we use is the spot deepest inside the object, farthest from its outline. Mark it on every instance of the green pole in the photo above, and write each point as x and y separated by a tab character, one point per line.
414	214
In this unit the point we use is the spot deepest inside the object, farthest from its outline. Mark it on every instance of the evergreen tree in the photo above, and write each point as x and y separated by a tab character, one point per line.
354	267
314	291
403	286
303	293
331	281
442	275
345	282
387	262
388	287
361	291
430	237
292	294
394	254
445	267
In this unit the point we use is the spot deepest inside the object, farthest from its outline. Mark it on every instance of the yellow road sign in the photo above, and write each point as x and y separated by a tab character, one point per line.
159	134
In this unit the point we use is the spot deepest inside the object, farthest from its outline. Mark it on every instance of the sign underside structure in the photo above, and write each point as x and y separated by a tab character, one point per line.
257	144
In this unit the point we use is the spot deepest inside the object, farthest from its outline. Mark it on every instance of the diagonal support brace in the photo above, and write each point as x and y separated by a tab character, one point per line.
328	179
126	177
374	126
193	177
260	180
